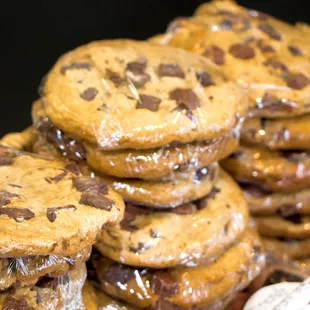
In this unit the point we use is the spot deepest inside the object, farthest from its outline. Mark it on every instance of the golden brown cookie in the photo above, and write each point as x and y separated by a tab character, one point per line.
209	284
18	140
126	94
261	53
90	298
262	202
287	171
130	163
47	294
294	226
166	193
25	271
49	208
285	248
196	233
106	302
277	134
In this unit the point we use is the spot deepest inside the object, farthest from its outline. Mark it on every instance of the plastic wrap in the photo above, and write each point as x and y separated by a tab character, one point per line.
165	162
268	57
189	235
274	171
49	208
262	202
167	94
195	287
49	293
277	134
25	271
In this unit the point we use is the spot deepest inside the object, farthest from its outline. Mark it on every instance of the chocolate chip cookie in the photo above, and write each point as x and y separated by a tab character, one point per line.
277	134
126	94
286	248
18	140
262	202
262	54
294	226
167	288
54	199
90	298
166	193
25	271
48	293
191	234
286	171
130	163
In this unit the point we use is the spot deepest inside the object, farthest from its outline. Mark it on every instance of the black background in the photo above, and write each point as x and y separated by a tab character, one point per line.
33	34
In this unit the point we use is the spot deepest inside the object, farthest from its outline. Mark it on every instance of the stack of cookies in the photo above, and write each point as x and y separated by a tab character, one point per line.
270	59
153	122
50	217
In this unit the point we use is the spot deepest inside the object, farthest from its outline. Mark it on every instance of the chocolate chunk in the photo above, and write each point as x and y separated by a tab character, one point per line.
258	14
15	185
131	212
275	65
5	197
226	24
201	203
76	65
154	233
265	48
242	51
6	161
172	70
205	79
163	304
119	274
295	51
297	81
46	282
51	213
215	53
89	94
96	200
202	173
148	102
73	168
294	156
83	184
185	98
58	177
165	284
18	303
66	146
295	219
213	193
278	276
274	104
255	190
287	210
140	248
270	31
114	77
184	209
18	214
135	72
137	67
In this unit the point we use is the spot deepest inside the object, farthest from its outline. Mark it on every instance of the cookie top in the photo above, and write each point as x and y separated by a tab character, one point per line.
191	234
168	288
277	134
268	57
129	94
47	207
286	171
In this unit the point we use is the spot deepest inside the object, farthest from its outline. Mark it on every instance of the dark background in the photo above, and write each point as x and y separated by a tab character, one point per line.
33	34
